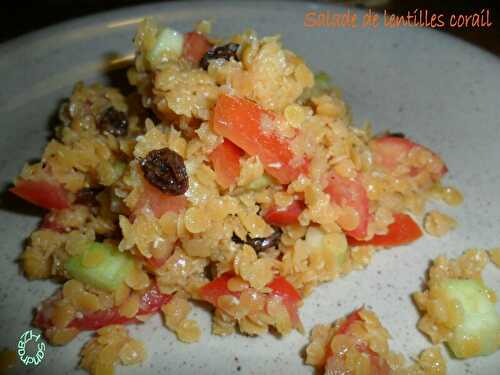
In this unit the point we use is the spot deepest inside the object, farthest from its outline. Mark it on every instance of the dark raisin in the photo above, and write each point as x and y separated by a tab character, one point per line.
223	52
88	196
396	134
261	243
114	122
236	239
165	169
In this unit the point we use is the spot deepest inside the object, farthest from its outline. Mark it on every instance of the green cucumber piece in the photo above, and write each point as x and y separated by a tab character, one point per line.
316	238
169	44
322	81
481	323
108	274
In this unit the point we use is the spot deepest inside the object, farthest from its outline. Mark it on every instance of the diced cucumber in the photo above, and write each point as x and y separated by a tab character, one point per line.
100	265
169	44
322	81
479	331
317	238
260	183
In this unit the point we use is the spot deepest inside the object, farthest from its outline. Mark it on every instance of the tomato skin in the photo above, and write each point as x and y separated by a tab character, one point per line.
280	288
216	288
240	120
158	202
350	192
351	318
195	46
226	162
402	231
390	151
45	194
150	302
285	216
335	364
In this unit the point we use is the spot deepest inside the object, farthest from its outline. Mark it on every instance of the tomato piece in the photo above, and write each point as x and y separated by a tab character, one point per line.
390	151
351	318
195	46
285	216
350	192
379	366
226	162
150	303
216	288
241	121
402	231
159	202
45	194
282	288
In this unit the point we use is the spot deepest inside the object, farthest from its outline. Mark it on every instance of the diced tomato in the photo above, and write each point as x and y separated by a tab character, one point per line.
150	302
216	288
99	319
226	162
350	192
195	46
241	121
42	193
280	287
351	318
160	202
402	231
390	151
285	216
336	364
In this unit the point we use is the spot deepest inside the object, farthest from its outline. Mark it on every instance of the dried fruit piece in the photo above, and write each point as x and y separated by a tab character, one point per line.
165	169
262	244
88	196
223	52
114	122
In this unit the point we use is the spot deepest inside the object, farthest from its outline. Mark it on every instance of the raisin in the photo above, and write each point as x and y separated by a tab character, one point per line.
223	52
165	169
114	122
261	243
88	196
396	134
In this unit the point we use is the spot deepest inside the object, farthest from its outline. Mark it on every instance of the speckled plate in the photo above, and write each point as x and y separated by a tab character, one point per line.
437	89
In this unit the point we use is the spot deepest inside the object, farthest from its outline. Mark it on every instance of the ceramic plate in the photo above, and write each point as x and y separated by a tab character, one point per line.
436	89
